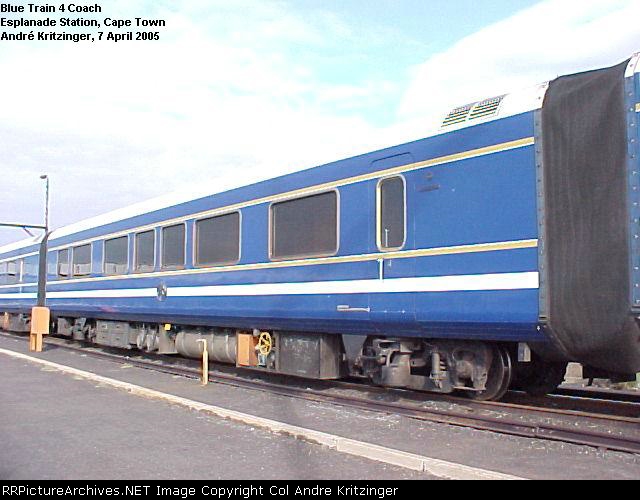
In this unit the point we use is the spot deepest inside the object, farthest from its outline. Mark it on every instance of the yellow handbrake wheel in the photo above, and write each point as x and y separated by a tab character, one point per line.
265	343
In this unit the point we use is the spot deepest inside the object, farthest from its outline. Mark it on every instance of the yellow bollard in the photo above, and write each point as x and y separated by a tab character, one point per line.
205	362
40	319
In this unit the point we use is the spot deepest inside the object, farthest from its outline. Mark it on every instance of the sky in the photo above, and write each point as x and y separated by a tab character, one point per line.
253	88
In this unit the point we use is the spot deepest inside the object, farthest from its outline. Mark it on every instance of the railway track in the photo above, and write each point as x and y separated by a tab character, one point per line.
580	402
599	394
597	421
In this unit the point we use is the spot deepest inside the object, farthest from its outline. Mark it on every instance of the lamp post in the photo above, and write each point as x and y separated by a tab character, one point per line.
42	267
40	314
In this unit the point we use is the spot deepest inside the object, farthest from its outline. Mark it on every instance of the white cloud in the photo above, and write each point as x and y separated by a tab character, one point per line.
231	91
116	123
552	38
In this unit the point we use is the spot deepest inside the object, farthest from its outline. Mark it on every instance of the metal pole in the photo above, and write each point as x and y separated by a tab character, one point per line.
21	226
42	264
40	315
46	203
42	271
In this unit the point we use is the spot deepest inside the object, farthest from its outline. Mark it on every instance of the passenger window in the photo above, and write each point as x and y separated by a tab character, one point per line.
305	227
116	255
4	278
145	251
51	263
13	272
30	268
82	260
391	214
173	251
63	263
218	240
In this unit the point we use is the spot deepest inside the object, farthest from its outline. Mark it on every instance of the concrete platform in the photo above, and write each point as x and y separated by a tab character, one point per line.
56	427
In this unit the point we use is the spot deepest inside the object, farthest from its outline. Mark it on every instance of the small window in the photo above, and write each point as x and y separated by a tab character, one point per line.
391	213
116	255
173	252
82	260
12	268
30	269
51	263
13	272
306	227
4	278
63	263
145	251
218	240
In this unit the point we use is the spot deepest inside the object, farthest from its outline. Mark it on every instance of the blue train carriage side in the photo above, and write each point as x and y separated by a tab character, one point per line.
482	257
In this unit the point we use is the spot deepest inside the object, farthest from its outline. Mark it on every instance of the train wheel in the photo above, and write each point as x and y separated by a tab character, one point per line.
499	378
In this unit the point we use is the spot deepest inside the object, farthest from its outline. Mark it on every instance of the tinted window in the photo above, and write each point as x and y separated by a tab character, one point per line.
391	224
12	268
173	246
9	272
13	272
145	251
82	260
63	262
218	240
116	255
30	269
51	263
305	227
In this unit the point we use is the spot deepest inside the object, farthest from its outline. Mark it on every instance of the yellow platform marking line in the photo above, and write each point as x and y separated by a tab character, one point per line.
404	254
353	447
442	160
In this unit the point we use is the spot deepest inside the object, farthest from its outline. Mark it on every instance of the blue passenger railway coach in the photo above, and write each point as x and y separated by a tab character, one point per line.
483	257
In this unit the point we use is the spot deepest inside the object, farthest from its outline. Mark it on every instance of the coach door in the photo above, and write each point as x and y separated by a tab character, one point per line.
389	302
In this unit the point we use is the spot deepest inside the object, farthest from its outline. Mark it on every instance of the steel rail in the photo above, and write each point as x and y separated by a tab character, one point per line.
600	394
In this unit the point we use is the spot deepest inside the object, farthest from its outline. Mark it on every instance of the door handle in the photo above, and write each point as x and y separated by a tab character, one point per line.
345	308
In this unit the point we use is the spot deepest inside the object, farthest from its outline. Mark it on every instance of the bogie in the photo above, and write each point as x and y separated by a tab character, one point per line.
476	369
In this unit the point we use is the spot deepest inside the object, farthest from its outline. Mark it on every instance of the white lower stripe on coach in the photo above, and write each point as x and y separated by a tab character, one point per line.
13	296
514	281
88	294
481	282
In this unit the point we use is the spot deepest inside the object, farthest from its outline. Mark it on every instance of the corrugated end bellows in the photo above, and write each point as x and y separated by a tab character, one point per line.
586	204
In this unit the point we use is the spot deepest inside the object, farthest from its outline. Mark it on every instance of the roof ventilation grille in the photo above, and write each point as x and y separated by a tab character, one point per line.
458	115
486	108
475	111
